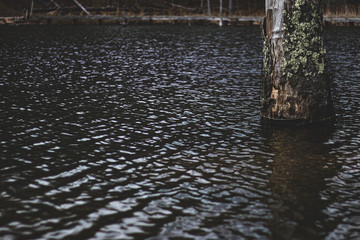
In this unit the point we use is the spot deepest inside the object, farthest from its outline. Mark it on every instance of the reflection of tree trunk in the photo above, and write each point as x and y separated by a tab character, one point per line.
301	165
296	83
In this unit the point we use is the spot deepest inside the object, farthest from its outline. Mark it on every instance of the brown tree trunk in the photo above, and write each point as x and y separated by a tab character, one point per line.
296	83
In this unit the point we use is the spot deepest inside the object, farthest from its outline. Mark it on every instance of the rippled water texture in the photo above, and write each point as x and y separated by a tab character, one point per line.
154	132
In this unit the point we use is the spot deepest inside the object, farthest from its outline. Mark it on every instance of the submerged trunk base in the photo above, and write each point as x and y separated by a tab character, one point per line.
297	122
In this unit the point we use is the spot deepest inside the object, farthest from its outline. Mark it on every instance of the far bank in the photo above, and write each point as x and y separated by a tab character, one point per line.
230	12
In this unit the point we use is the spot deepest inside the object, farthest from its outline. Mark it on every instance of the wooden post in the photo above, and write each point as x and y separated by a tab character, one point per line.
296	83
124	18
26	17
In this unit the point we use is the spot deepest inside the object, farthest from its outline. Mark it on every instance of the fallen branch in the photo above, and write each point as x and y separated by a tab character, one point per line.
57	5
183	7
82	7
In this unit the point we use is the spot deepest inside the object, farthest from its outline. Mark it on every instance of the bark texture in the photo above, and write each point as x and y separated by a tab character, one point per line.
296	83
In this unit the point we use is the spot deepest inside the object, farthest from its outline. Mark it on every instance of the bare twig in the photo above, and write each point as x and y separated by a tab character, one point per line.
180	6
57	5
82	7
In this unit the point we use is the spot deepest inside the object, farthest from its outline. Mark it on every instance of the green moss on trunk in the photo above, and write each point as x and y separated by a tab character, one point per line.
296	83
304	52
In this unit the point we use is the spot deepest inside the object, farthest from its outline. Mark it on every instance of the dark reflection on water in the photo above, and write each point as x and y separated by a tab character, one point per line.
154	132
301	166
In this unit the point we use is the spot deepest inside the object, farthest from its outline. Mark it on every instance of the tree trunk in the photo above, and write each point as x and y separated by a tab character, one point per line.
221	10
230	7
209	7
31	8
296	83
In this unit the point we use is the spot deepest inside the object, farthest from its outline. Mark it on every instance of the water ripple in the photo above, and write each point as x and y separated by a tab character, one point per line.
153	132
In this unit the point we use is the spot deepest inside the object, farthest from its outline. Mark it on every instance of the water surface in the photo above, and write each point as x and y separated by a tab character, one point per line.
153	132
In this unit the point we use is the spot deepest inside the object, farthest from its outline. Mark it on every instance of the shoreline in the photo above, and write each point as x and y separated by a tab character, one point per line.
157	19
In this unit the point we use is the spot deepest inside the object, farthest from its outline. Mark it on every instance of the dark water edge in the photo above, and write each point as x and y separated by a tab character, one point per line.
153	132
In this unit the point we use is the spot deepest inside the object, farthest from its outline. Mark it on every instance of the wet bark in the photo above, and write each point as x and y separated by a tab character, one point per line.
296	82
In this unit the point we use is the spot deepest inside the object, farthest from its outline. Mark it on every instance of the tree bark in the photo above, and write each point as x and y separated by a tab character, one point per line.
296	82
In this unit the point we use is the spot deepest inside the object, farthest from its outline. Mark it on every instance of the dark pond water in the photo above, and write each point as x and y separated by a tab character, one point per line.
153	132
